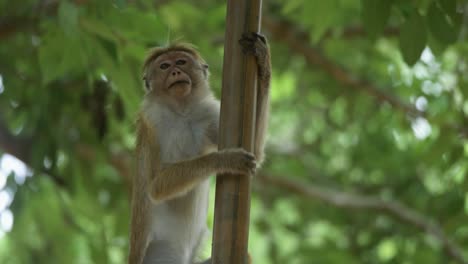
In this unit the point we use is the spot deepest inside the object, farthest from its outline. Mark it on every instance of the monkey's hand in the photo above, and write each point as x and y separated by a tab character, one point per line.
256	44
236	161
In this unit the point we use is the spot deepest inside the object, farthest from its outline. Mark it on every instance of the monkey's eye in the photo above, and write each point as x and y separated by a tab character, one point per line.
180	62
164	66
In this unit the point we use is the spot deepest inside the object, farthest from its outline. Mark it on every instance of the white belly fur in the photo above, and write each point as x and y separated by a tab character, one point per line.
184	230
182	220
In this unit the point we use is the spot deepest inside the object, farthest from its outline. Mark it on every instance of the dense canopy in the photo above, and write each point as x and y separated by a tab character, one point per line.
367	153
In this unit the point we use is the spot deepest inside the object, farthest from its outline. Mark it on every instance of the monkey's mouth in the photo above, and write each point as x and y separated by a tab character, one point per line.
178	83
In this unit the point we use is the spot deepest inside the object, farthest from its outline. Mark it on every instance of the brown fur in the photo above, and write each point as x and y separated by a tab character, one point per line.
158	51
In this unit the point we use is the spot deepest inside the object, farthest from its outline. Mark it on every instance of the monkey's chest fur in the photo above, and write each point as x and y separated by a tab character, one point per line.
182	219
184	137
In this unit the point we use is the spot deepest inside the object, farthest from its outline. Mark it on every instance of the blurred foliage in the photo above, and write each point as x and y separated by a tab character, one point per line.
71	85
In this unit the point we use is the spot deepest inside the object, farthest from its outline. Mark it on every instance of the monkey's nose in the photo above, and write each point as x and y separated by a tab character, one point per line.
175	72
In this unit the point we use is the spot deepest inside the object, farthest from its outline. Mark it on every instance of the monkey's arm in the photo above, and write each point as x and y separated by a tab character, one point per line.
176	179
141	205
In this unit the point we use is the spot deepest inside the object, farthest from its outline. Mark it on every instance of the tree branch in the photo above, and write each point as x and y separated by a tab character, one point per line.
359	32
18	147
11	26
21	149
298	42
120	161
371	203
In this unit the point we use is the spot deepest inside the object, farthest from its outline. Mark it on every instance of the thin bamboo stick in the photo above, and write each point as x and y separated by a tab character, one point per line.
237	129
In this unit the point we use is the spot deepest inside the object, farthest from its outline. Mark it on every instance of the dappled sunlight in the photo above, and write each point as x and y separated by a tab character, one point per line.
10	166
6	198
421	128
421	103
427	56
6	220
2	88
432	88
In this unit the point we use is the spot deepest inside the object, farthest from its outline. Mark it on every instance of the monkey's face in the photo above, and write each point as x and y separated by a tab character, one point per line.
176	74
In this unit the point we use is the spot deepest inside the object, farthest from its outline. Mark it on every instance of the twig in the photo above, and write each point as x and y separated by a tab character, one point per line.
298	42
361	202
358	32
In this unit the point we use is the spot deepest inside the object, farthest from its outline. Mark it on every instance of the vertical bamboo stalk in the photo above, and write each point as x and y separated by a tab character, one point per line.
237	129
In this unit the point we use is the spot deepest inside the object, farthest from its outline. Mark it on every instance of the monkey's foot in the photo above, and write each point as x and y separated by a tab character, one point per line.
255	44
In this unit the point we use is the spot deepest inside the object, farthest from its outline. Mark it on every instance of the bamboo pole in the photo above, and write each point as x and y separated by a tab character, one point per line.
237	129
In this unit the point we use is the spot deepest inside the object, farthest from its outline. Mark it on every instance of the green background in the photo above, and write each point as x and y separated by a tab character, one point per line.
367	153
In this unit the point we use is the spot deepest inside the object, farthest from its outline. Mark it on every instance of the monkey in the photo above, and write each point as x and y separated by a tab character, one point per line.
176	151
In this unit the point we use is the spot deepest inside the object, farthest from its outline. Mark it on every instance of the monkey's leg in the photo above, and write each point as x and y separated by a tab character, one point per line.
208	261
161	252
256	45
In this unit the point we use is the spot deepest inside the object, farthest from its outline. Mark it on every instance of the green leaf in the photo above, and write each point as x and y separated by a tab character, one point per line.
313	12
121	3
68	17
436	47
110	47
439	25
292	6
466	203
413	37
375	14
449	6
56	58
98	28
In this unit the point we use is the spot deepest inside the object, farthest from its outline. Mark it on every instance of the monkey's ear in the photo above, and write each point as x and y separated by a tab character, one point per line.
147	87
205	70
